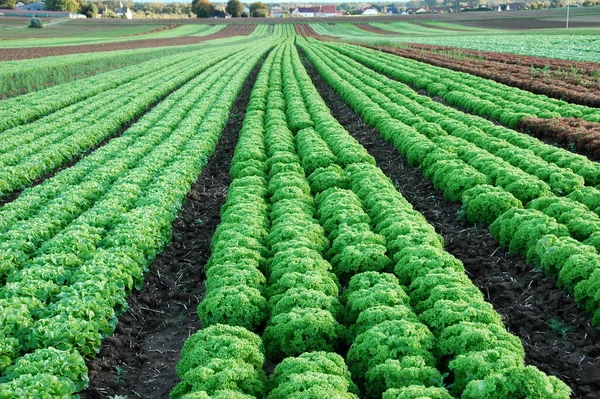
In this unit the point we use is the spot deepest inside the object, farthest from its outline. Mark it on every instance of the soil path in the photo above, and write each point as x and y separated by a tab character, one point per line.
528	301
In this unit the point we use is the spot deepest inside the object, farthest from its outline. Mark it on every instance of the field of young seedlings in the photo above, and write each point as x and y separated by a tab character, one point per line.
274	213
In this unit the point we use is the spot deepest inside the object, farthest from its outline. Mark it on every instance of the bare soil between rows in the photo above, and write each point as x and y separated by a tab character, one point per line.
528	301
148	339
11	54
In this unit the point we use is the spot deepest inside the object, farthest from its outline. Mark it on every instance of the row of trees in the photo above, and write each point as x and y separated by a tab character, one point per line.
235	8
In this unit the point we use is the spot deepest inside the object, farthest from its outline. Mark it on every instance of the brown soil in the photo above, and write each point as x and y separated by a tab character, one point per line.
439	27
582	135
162	28
9	54
373	29
148	339
527	300
307	31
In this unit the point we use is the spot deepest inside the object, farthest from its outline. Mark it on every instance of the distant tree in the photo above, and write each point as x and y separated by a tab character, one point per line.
35	23
431	3
63	5
235	8
8	3
203	8
259	9
90	10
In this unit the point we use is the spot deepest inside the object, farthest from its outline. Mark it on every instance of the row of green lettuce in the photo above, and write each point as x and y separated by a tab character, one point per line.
483	97
73	247
562	233
31	150
308	212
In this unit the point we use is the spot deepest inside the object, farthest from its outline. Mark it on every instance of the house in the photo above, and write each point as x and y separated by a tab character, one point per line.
422	11
276	12
303	12
124	12
370	11
325	11
19	4
39	6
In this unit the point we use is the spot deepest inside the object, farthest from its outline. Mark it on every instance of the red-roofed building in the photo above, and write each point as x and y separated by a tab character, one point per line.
318	11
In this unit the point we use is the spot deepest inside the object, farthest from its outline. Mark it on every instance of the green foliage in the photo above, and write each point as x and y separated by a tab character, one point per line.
305	298
409	371
519	383
236	305
480	364
466	337
391	339
328	177
220	342
312	385
37	386
90	10
203	8
417	392
484	203
62	5
448	312
8	3
234	8
302	330
222	374
219	358
35	23
259	9
317	362
372	316
414	262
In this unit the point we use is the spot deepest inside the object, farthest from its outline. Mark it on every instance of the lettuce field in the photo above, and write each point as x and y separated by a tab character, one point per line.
299	211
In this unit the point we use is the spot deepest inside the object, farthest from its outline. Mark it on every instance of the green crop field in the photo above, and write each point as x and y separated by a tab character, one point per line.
364	208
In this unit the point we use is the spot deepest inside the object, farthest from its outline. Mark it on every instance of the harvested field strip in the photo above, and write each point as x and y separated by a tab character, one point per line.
576	134
306	30
563	85
25	53
375	29
530	304
33	150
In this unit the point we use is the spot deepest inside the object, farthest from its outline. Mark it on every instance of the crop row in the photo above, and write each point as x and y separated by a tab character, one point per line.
480	96
18	77
321	233
30	151
489	187
72	252
27	108
572	87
